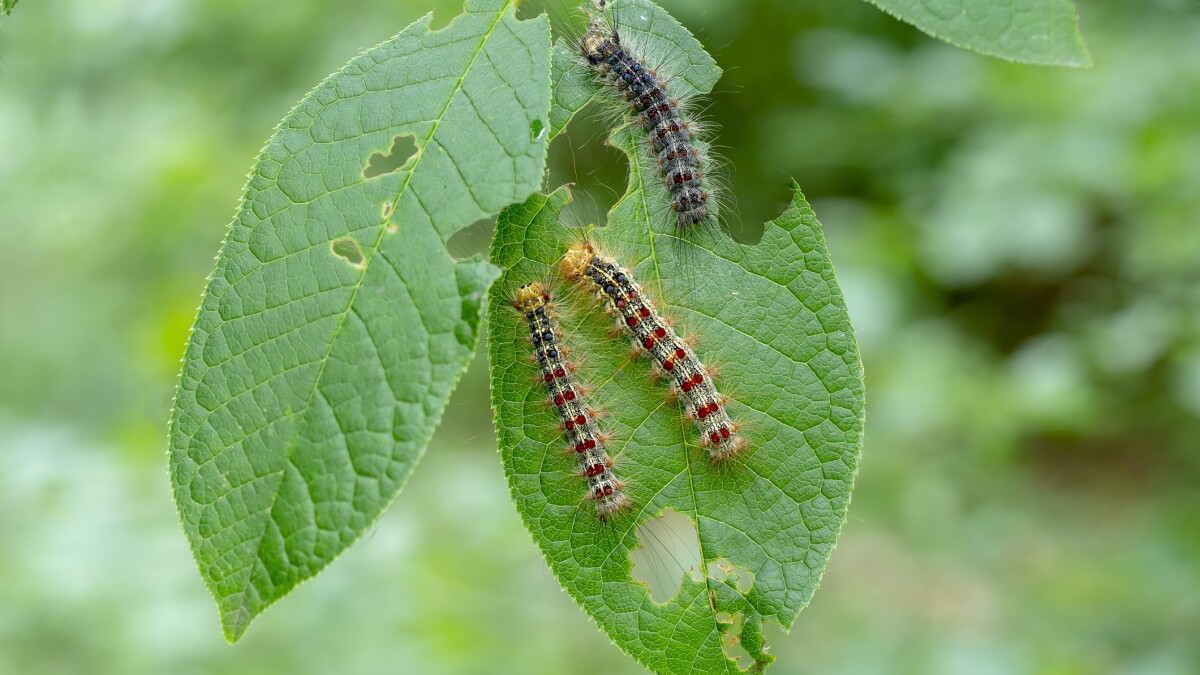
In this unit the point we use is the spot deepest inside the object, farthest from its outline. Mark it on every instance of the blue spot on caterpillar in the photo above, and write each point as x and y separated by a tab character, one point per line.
577	419
670	132
672	356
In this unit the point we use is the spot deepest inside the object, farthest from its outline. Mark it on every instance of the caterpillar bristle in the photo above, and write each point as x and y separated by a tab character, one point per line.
577	419
671	134
673	358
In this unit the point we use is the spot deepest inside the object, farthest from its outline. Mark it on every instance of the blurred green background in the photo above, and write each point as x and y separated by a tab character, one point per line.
1020	248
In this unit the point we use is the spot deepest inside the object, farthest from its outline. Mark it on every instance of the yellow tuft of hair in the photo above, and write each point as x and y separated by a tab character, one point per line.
577	259
530	293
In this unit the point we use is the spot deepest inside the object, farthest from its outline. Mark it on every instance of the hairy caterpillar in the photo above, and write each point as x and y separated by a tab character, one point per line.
690	380
671	133
577	419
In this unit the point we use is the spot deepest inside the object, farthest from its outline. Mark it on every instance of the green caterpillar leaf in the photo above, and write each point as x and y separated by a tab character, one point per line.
1030	31
772	317
336	323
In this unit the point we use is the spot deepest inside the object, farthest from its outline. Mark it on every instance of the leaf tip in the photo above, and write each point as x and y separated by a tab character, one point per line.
235	623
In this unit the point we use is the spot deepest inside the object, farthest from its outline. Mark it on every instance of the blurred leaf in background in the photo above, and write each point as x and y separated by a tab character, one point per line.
1030	31
1019	251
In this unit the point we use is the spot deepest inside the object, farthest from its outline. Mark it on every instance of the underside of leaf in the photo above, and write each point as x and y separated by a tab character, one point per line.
1030	31
336	323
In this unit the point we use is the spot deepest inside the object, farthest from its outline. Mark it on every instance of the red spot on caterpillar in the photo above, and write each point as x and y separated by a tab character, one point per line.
637	83
585	265
570	395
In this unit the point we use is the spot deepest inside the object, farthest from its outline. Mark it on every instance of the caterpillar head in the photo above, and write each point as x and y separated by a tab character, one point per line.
576	260
598	43
531	296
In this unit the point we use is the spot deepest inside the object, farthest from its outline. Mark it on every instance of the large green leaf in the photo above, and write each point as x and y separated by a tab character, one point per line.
773	318
336	324
1030	31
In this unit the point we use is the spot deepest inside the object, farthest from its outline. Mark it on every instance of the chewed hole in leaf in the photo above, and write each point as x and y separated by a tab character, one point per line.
402	150
740	577
743	641
444	12
731	642
596	170
668	550
347	249
537	129
472	239
532	8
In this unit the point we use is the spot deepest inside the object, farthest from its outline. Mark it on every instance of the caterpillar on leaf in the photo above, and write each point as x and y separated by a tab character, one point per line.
576	418
672	134
674	359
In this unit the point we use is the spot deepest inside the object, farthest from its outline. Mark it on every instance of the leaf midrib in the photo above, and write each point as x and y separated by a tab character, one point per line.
636	172
243	620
